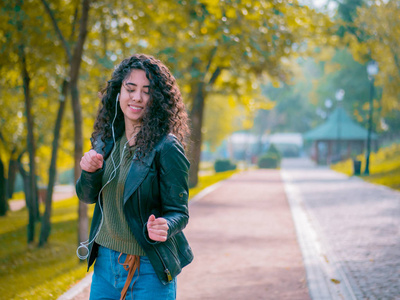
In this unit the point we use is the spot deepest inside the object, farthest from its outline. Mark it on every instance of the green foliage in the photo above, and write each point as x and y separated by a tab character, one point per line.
384	166
377	38
347	11
271	159
274	151
338	71
225	114
222	165
194	38
66	177
268	161
294	111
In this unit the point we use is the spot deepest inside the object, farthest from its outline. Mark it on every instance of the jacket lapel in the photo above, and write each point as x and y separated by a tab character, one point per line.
137	174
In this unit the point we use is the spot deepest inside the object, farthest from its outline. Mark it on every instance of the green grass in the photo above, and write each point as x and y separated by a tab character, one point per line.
18	195
384	167
207	180
28	272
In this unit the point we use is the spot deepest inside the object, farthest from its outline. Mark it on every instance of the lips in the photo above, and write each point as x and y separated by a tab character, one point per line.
135	108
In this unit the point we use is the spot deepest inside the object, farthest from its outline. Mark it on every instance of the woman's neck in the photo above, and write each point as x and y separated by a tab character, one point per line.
131	131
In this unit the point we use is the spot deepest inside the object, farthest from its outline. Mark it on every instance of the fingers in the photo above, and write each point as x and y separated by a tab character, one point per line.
151	218
159	221
163	227
95	157
157	224
158	237
157	229
91	161
159	233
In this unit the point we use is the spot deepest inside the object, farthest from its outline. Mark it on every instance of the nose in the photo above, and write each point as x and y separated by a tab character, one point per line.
135	96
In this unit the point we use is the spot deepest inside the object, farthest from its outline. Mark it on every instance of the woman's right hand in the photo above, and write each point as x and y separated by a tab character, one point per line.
91	161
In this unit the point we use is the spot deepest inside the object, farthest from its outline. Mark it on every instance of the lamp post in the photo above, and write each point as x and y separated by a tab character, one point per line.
328	104
372	70
339	97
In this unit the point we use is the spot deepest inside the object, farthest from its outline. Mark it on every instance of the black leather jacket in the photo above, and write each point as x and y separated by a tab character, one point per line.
158	185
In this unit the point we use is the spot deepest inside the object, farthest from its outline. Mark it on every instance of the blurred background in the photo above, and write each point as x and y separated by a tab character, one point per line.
262	80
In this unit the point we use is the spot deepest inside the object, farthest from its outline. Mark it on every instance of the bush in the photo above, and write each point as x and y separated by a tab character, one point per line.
269	161
274	150
222	165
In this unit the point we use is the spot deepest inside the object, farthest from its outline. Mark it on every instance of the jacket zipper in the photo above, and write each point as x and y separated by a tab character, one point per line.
172	252
166	271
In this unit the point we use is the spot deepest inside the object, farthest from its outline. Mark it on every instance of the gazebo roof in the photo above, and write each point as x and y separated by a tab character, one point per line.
338	126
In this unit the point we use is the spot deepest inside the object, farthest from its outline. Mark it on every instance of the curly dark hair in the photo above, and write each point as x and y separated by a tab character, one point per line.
165	112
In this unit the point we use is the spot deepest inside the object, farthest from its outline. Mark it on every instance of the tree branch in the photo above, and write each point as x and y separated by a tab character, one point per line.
74	21
57	29
213	52
215	75
78	50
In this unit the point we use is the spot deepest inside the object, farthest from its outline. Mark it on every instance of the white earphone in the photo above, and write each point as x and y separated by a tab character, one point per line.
85	244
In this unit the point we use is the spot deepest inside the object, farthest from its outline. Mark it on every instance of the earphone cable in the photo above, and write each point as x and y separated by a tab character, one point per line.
85	244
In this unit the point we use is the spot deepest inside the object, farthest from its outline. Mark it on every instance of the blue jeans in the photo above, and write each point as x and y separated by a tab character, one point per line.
109	279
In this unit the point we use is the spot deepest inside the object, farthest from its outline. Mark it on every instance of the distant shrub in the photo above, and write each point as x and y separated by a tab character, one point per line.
66	177
274	150
269	161
222	165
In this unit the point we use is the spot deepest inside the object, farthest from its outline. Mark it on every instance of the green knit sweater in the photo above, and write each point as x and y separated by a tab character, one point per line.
115	232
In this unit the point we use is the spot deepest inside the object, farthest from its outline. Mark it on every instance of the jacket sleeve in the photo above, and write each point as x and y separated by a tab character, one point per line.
89	185
174	187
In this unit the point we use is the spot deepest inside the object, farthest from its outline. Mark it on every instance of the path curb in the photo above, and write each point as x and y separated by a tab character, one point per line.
77	288
322	267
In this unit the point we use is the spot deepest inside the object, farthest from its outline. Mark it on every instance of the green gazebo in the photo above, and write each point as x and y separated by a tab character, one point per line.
338	138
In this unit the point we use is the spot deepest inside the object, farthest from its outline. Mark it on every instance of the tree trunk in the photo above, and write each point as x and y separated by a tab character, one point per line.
12	175
25	178
76	107
196	117
33	201
46	224
25	181
28	197
82	210
75	63
3	198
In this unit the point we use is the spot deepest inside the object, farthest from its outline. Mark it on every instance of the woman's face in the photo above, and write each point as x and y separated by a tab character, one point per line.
134	96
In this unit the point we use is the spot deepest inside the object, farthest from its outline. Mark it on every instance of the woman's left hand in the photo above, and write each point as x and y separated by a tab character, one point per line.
157	229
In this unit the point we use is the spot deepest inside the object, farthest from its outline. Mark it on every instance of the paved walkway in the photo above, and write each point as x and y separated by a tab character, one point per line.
60	192
244	242
356	228
249	243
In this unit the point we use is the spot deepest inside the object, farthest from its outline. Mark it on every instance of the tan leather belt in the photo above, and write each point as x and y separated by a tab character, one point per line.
131	264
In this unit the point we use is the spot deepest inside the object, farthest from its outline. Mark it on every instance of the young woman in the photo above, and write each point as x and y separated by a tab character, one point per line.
137	174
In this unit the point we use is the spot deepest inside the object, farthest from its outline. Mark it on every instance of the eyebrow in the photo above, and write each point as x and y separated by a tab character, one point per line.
134	84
